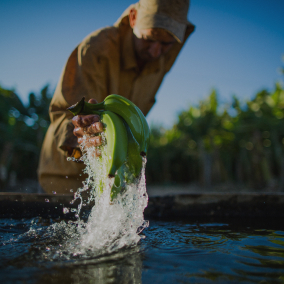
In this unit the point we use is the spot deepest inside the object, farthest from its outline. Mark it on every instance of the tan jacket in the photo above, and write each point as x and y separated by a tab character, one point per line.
102	64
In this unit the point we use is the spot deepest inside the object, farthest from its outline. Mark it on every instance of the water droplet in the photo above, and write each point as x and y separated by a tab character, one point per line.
65	210
46	200
47	249
71	190
54	192
66	176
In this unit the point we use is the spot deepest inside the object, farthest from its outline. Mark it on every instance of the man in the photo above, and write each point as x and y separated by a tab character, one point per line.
130	59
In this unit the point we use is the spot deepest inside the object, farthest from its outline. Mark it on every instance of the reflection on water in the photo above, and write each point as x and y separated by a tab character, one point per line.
214	252
171	252
123	267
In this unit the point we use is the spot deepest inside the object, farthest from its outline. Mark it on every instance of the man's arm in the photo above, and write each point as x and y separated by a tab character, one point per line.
85	74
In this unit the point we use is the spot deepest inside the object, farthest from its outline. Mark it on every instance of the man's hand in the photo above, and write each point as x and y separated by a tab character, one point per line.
88	125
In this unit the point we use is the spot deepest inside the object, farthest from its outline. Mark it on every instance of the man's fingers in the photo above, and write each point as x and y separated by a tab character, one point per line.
78	132
76	120
92	101
90	119
81	140
92	129
95	128
93	141
88	124
86	142
85	120
96	141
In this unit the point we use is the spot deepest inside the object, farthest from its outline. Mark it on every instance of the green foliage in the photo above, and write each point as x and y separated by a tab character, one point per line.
22	132
213	143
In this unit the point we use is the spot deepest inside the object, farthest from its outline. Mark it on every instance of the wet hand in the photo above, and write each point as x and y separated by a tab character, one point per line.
88	125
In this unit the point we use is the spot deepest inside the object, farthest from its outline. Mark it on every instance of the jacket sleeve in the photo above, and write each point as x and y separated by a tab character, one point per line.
85	75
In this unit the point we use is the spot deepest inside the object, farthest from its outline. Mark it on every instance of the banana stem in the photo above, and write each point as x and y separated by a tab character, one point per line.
83	107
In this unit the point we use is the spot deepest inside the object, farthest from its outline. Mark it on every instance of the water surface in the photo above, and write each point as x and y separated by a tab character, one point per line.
170	252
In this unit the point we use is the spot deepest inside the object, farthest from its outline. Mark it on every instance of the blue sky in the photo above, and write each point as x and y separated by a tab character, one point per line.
236	48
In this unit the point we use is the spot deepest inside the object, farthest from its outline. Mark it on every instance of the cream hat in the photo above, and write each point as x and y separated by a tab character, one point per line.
170	15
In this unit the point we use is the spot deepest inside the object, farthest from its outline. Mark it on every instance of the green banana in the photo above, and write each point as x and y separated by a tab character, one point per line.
146	129
117	141
134	160
127	110
131	169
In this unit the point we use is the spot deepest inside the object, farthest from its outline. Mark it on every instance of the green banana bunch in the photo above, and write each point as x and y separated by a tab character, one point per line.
127	134
133	116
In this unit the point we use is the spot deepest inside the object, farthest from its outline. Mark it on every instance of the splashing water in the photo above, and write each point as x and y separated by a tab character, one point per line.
112	224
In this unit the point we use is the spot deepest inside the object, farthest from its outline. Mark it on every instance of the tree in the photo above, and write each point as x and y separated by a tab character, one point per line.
22	132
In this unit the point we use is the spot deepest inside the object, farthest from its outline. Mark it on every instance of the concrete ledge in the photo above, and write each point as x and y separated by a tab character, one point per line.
181	206
28	205
217	205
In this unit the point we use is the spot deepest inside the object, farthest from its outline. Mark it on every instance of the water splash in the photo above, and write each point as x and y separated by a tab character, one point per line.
112	224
